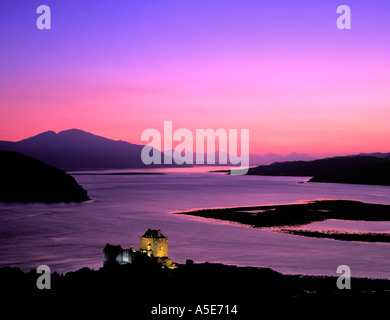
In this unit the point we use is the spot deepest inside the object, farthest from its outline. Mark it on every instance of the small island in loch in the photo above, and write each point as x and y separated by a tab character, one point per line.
287	217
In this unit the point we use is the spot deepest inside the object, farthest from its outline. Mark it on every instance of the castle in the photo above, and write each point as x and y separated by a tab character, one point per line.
153	248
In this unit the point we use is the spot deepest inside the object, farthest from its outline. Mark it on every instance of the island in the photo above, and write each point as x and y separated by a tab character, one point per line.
25	179
287	217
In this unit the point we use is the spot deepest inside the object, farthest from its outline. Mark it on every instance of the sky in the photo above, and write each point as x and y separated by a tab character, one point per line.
281	69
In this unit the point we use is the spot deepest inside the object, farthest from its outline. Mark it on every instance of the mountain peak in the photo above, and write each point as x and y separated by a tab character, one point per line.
52	136
76	149
73	131
49	133
41	136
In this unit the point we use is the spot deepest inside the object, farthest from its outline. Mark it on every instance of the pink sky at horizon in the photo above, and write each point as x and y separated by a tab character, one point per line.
298	84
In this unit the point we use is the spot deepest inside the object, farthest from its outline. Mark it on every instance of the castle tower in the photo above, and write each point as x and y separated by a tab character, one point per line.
154	243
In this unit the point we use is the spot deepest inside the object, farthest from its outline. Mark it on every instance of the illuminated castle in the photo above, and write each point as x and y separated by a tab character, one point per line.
153	248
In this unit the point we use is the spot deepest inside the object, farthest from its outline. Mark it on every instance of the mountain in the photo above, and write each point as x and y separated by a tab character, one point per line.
25	179
270	158
376	154
79	150
254	159
317	167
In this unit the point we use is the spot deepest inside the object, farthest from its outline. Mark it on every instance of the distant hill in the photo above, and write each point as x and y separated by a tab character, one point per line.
357	169
79	150
376	154
373	174
270	158
313	168
254	159
25	179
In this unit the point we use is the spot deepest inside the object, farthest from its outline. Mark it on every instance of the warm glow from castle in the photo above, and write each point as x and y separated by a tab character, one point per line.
153	249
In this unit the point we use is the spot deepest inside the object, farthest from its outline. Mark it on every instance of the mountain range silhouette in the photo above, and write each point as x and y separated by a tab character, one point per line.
76	149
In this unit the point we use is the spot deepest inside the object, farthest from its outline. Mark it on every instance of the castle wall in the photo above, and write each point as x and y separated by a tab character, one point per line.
159	246
116	255
127	257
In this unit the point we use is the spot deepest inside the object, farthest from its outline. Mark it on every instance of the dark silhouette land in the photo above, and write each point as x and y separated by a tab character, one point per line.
148	277
281	217
25	179
79	150
350	169
270	158
149	283
370	174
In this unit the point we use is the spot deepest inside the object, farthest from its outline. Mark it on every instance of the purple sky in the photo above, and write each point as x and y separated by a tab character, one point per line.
280	68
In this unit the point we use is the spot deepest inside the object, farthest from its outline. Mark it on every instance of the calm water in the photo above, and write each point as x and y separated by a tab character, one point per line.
71	236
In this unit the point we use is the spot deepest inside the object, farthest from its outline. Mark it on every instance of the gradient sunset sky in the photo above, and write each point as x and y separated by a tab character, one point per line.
279	68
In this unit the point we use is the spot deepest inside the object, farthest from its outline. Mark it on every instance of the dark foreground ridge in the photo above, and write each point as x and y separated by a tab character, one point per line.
281	217
25	179
149	283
